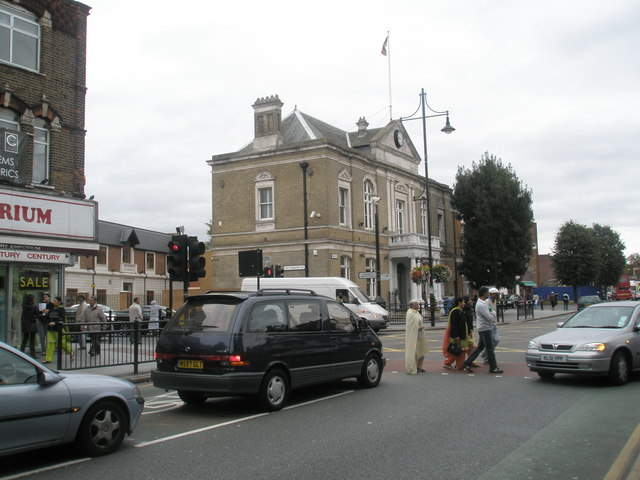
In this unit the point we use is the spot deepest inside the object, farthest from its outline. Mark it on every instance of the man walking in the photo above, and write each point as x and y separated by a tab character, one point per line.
94	315
135	315
415	340
46	307
82	306
484	322
492	303
565	300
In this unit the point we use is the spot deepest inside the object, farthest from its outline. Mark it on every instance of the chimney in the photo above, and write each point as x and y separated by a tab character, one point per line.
362	126
267	113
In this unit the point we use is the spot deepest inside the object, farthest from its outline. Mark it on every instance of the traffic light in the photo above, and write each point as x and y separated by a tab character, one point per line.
279	271
268	271
196	260
177	259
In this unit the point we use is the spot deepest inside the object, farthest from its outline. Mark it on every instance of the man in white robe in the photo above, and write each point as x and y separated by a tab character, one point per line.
415	340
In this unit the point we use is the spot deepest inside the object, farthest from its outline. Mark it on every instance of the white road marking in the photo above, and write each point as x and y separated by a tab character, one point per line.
45	469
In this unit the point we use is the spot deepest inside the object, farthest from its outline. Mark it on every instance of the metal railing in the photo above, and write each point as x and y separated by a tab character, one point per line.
117	345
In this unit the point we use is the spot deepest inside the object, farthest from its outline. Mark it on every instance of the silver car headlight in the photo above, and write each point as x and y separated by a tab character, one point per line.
592	347
533	345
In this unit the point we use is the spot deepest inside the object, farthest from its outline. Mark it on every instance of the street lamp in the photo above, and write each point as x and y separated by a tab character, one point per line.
446	129
304	166
376	200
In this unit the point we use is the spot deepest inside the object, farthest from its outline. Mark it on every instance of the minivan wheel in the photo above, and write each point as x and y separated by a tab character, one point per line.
371	372
619	370
192	398
274	391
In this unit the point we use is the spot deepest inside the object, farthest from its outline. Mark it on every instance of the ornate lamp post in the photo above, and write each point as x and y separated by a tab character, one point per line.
427	203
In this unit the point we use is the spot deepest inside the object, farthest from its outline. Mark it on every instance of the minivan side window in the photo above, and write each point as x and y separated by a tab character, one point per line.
304	316
267	317
339	318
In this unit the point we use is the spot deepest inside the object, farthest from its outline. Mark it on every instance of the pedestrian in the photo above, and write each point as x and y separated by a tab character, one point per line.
565	300
457	334
94	317
29	323
57	318
484	322
154	316
135	315
541	302
553	299
469	316
415	340
492	303
43	319
536	299
82	337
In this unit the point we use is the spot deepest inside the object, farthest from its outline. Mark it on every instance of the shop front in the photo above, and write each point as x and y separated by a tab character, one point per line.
40	235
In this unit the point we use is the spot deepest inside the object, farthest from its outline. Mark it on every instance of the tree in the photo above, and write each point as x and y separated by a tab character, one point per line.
496	210
576	255
611	256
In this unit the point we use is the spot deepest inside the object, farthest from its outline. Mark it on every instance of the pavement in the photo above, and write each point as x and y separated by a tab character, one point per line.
143	374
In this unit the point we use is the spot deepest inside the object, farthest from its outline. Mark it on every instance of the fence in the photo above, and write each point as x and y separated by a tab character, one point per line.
117	345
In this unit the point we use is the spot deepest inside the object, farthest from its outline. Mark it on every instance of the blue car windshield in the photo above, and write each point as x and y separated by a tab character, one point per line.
610	316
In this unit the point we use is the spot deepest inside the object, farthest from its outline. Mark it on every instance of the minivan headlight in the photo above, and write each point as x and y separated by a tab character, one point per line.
533	345
592	347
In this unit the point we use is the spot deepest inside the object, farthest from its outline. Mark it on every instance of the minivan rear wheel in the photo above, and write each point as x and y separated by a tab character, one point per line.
192	398
274	391
371	372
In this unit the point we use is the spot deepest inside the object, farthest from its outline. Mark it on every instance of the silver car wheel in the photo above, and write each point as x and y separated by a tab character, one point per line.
103	428
619	372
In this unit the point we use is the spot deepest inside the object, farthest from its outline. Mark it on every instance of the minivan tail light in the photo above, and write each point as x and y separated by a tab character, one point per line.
236	361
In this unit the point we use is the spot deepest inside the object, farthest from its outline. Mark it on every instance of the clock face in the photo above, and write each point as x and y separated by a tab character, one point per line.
398	138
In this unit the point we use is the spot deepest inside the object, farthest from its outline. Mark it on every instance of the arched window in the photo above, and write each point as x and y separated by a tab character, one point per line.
368	193
41	138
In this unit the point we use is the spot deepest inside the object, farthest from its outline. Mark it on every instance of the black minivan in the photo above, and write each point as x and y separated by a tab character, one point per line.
263	344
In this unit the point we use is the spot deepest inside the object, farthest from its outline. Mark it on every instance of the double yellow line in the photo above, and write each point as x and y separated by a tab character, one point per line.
627	465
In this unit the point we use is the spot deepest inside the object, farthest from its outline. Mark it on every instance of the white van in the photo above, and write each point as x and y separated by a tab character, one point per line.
333	287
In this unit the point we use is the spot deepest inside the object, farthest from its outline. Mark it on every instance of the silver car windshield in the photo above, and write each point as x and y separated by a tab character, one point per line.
601	317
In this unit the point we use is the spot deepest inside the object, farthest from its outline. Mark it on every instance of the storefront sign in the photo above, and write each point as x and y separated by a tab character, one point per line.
13	151
33	281
42	215
60	258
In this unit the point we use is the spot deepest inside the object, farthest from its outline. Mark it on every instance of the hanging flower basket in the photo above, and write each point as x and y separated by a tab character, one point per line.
441	273
420	274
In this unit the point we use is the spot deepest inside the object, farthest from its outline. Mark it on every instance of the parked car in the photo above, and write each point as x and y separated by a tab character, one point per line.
587	300
40	407
123	316
264	344
602	339
513	300
110	313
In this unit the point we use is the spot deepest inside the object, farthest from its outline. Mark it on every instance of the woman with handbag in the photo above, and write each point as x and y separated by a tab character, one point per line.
455	339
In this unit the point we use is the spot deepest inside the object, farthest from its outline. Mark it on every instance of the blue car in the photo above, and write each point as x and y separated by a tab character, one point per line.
40	407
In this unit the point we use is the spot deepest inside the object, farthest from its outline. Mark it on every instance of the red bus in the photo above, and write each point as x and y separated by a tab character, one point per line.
622	290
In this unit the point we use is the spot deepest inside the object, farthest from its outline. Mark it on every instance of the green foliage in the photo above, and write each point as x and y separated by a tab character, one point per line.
576	255
496	209
611	256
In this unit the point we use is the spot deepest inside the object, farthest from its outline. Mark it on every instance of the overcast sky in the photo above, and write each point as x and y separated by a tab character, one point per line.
551	87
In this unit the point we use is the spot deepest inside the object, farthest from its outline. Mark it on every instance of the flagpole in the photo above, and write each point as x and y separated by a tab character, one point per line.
389	67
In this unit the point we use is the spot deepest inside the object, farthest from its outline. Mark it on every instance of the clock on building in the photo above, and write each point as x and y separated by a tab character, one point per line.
398	138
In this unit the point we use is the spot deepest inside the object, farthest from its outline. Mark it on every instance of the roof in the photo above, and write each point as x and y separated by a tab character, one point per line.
116	234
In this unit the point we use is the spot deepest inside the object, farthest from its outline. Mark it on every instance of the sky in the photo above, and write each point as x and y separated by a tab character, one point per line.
551	87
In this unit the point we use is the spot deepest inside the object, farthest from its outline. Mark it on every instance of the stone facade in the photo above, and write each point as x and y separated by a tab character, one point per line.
259	203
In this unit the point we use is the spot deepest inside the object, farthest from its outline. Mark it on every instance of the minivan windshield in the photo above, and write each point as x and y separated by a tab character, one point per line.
609	316
198	317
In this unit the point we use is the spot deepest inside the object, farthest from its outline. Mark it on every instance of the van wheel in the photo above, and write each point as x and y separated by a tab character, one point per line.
371	372
192	398
619	370
274	391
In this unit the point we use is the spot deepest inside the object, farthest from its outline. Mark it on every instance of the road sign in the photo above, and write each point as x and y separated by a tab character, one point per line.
367	275
385	276
293	267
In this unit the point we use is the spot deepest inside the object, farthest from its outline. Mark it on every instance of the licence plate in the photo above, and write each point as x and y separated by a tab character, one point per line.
194	364
553	358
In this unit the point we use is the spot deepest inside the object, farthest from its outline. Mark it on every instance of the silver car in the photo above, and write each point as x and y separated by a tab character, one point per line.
40	407
602	339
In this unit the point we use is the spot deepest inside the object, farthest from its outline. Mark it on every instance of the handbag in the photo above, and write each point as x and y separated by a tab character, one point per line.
454	348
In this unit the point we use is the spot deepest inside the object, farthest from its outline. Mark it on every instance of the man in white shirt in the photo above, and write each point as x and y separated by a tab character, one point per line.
484	322
135	314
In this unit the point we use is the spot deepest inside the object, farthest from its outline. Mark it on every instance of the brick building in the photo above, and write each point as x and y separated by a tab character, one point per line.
350	179
45	220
